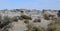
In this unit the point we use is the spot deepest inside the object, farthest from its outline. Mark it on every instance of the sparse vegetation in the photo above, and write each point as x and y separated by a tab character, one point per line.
58	13
4	23
37	20
21	11
26	21
52	28
34	28
20	18
29	26
26	17
54	25
15	19
37	29
46	17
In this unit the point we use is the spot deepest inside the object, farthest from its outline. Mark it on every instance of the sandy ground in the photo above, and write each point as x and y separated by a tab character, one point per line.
19	26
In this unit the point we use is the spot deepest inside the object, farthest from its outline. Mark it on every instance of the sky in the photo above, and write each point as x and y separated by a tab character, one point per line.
30	4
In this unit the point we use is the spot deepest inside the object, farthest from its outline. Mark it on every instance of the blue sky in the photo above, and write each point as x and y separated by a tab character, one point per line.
30	4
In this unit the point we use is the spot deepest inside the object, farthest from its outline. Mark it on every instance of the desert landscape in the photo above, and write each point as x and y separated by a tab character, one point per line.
29	20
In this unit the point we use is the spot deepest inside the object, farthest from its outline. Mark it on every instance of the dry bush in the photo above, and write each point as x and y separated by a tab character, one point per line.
20	18
34	28
54	25
4	23
37	20
14	18
26	21
21	11
46	17
26	17
37	29
58	13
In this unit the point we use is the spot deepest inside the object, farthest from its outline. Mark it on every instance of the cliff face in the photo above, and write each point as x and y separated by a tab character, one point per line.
46	17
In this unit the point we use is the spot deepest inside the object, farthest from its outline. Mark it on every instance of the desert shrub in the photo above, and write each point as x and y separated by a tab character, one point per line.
37	20
20	18
0	17
51	15
34	28
58	14
26	17
43	10
21	11
0	20
46	17
17	10
54	25
29	26
15	18
55	21
26	21
5	21
37	29
4	24
6	28
6	18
